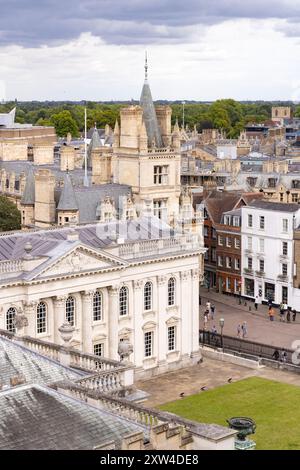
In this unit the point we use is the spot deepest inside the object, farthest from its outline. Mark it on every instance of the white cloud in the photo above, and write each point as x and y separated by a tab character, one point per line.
242	59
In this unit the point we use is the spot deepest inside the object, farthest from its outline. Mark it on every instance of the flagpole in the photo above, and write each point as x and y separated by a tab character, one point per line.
86	180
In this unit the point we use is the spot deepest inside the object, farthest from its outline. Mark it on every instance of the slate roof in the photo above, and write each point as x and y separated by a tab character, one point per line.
16	359
38	418
149	116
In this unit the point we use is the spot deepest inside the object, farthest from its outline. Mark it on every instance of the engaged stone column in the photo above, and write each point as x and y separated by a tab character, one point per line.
30	313
138	335
59	317
86	321
162	333
113	322
186	314
195	310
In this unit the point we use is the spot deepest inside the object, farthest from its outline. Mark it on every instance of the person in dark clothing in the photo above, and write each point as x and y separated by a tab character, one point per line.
294	315
276	355
288	315
199	299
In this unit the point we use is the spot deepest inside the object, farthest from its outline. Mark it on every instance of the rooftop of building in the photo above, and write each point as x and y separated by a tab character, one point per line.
274	206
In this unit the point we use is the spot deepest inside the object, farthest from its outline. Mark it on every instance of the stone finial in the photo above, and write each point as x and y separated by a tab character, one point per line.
66	331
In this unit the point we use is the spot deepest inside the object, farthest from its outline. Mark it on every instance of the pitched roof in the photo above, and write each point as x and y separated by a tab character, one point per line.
275	206
67	199
219	202
149	116
28	197
95	143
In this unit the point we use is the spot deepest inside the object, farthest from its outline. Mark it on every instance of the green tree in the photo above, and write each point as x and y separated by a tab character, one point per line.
10	216
64	123
297	112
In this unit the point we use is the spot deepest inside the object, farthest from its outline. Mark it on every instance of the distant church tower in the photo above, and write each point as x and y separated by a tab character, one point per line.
146	155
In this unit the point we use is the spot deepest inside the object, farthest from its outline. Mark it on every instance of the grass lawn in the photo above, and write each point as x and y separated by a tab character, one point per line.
274	406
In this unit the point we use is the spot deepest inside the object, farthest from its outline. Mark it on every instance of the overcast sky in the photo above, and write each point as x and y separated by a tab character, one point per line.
197	49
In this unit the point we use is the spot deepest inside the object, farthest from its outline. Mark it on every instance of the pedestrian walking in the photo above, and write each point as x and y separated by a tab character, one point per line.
205	322
244	329
214	331
294	315
199	299
239	330
288	315
208	305
212	311
276	355
283	356
281	312
256	303
271	313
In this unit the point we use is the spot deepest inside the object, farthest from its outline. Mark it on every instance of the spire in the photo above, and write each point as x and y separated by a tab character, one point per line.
149	114
95	143
28	197
146	67
67	200
116	129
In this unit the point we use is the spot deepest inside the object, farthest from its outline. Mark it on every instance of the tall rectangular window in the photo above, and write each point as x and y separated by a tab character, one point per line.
228	242
249	263
220	241
250	220
237	243
284	269
261	265
285	225
237	263
148	343
249	243
284	248
171	338
261	245
220	261
262	222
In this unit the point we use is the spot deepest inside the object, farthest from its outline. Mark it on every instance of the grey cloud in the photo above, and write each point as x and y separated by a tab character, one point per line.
33	23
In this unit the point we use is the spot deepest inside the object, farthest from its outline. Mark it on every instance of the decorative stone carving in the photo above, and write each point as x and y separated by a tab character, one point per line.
60	301
20	321
114	290
125	348
30	307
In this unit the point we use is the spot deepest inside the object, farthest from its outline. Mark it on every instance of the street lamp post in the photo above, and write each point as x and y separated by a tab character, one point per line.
221	323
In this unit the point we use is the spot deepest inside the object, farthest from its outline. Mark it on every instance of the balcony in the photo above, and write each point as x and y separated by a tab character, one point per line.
248	251
260	273
282	277
248	271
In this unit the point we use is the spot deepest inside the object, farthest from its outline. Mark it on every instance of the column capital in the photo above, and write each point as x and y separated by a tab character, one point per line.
196	274
185	275
161	280
30	306
138	284
87	295
114	290
60	300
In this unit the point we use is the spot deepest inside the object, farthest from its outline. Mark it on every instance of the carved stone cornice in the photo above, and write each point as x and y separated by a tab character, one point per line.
87	296
29	307
196	274
60	300
114	290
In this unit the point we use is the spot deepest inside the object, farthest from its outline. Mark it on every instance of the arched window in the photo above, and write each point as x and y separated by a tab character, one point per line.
97	306
10	319
123	301
41	318
171	291
70	310
148	296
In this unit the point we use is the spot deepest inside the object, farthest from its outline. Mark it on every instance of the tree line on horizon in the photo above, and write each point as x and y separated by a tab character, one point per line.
228	115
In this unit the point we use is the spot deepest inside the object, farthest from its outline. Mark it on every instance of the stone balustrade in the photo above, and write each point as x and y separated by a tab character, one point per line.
90	362
12	266
159	246
105	381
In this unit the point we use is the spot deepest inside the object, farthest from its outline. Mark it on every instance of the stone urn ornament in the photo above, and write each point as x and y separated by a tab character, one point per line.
66	331
125	349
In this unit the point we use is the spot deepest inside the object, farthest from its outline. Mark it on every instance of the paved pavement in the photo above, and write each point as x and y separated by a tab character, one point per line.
209	374
260	328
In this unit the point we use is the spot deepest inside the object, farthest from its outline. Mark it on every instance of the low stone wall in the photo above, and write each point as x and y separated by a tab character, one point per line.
218	355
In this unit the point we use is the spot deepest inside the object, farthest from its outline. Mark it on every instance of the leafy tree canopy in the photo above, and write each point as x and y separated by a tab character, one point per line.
10	216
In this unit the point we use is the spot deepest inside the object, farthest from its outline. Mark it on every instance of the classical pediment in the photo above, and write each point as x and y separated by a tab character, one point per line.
79	260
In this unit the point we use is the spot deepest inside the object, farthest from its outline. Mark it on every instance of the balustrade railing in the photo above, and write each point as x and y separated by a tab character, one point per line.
11	266
105	381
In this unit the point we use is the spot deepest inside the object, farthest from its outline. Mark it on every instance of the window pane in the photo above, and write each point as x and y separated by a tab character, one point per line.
41	313
171	338
171	291
10	320
70	310
148	296
123	301
148	340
